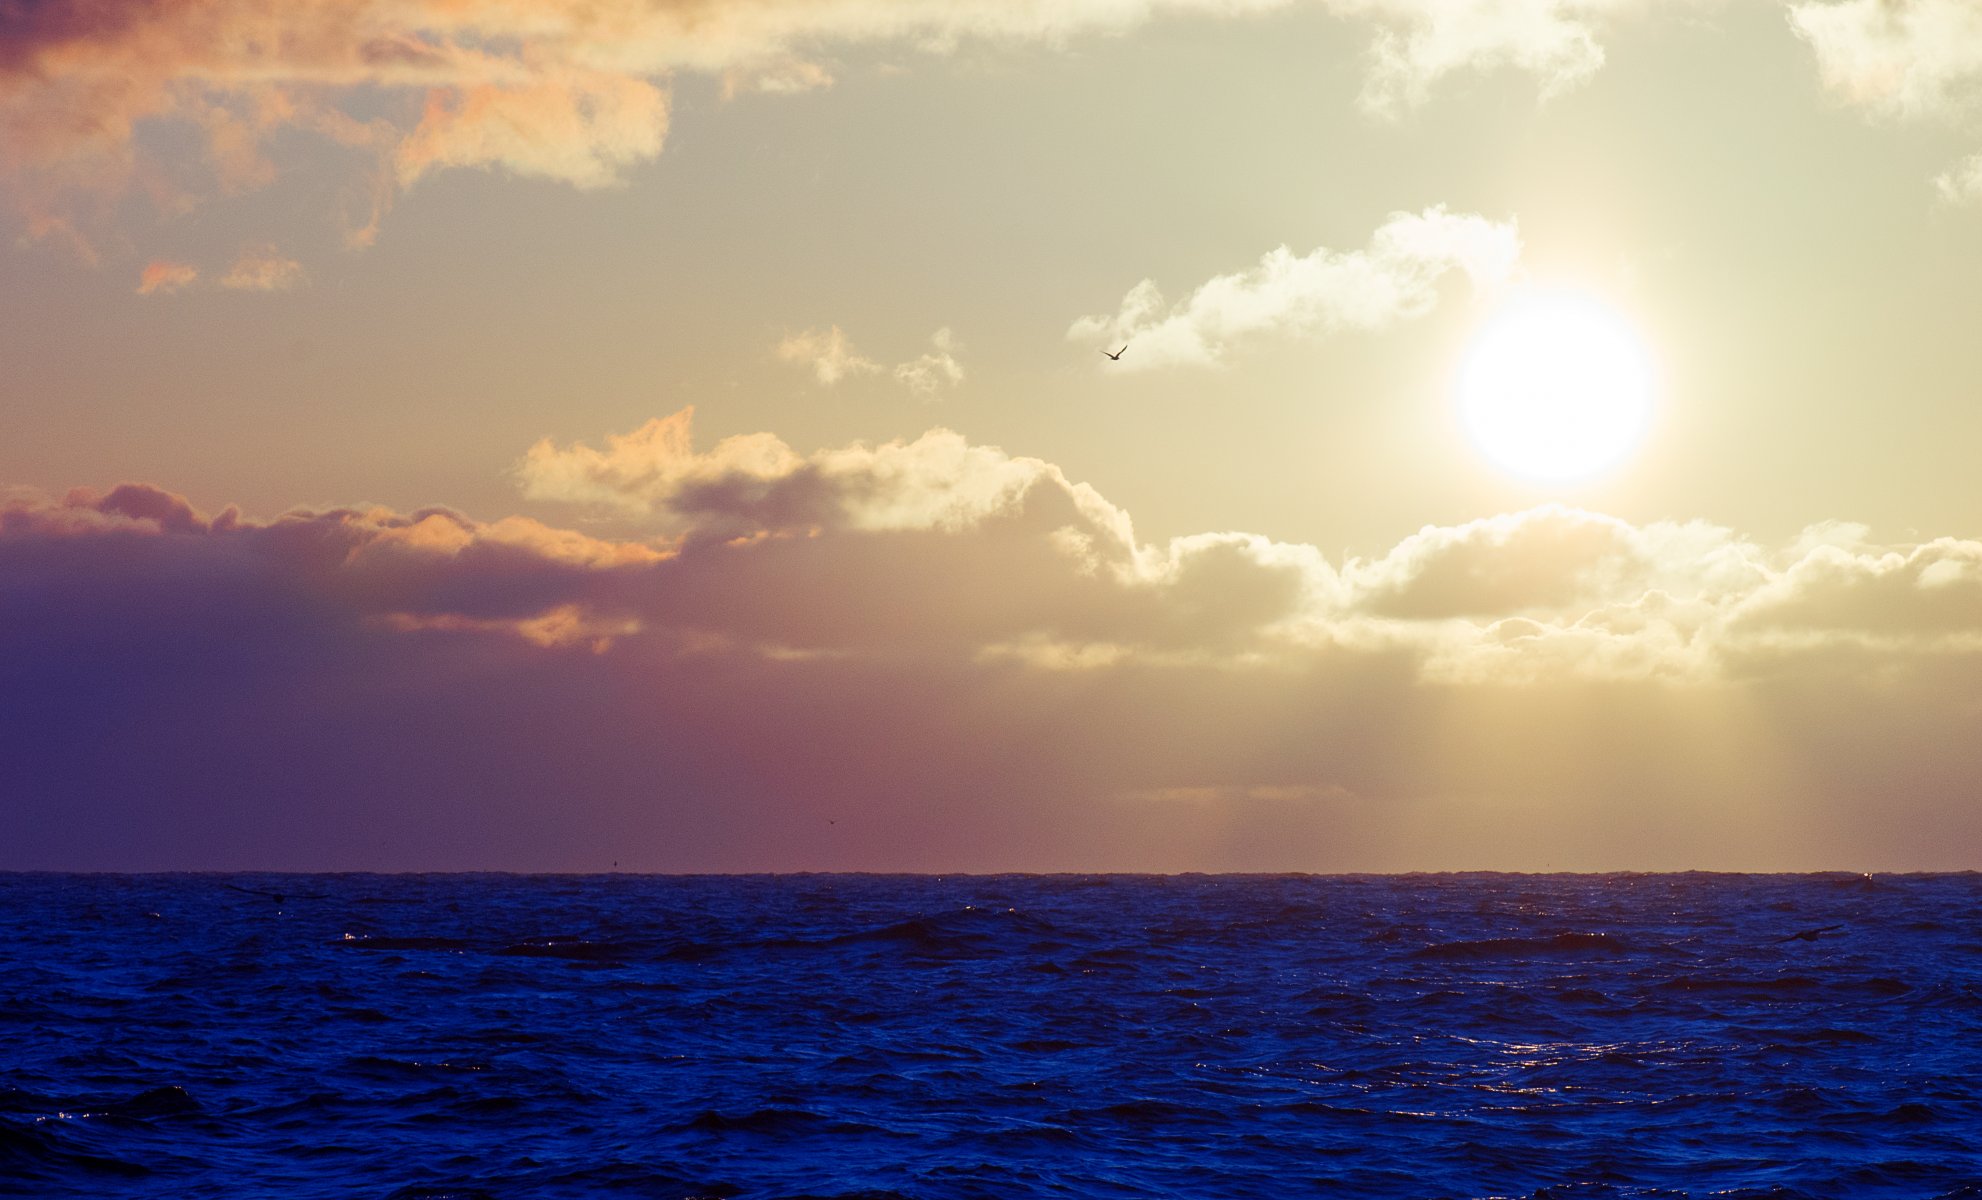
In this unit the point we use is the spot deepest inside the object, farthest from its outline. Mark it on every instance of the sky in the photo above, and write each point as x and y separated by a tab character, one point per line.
675	435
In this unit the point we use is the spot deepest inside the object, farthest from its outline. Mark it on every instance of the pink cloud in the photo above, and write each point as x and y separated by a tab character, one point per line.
549	89
968	661
166	278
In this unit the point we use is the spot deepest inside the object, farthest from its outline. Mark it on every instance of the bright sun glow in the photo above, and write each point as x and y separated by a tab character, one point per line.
1556	388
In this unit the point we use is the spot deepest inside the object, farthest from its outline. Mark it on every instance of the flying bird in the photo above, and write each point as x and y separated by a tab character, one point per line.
1117	355
1809	935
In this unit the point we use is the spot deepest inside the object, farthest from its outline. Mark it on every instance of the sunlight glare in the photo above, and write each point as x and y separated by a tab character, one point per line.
1557	388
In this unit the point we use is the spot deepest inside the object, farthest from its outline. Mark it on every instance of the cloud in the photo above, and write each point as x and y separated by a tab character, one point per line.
1906	60
1423	41
832	358
263	270
583	129
827	353
257	270
755	484
1549	592
970	661
934	371
166	277
1287	295
785	77
1926	596
1963	183
1544	559
96	100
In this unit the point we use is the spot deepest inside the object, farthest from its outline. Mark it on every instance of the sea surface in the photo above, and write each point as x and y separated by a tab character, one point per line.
373	1037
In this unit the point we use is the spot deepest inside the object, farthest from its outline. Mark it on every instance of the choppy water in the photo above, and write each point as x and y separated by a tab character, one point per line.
1213	1037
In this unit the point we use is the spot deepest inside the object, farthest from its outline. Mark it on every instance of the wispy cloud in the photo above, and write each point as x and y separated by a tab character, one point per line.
263	270
1900	58
827	353
164	278
1420	42
1394	279
1906	60
936	370
831	358
577	93
1961	184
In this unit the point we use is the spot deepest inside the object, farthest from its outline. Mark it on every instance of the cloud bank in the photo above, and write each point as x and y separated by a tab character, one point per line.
967	660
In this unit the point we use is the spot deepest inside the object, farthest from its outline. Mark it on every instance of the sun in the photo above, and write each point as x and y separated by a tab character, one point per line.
1557	388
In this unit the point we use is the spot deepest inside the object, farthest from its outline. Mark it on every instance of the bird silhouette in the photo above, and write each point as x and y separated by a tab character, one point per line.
1808	935
1117	355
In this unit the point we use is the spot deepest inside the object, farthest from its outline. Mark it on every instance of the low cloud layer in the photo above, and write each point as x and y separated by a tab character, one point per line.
1395	278
967	660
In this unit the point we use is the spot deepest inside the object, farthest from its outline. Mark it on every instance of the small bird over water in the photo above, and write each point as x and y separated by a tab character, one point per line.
1117	355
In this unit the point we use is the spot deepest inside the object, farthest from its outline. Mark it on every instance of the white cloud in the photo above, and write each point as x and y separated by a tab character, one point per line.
1901	58
832	358
934	371
1394	279
1423	41
1962	184
1549	592
1908	60
828	353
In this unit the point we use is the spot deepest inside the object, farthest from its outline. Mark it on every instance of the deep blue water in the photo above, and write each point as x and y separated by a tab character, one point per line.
1108	1036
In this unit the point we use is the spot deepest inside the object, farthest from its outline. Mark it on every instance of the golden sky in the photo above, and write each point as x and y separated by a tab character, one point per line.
539	434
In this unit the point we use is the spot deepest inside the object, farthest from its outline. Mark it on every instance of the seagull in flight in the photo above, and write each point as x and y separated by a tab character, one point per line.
1117	355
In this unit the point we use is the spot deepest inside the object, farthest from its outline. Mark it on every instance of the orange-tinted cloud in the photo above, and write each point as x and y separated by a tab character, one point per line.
166	277
973	661
555	89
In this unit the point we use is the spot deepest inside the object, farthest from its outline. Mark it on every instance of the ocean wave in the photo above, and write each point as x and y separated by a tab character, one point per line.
1033	1038
1526	947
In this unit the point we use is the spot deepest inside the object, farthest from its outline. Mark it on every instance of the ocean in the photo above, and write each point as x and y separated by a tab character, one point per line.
366	1037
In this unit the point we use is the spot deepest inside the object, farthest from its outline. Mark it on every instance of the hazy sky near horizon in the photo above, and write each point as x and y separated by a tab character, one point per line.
533	434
